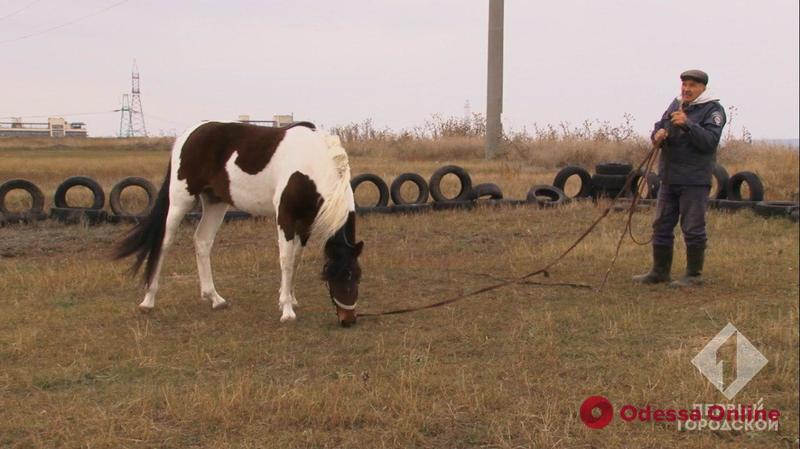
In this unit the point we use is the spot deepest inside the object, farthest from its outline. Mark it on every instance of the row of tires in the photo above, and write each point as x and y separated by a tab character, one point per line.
609	180
544	195
62	211
490	194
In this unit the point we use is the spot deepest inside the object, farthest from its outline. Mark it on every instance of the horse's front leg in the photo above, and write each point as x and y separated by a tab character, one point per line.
289	254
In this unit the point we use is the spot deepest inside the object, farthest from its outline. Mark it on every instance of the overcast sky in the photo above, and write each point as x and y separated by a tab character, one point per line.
396	61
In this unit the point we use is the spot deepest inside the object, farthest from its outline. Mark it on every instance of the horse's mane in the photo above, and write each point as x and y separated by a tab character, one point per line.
337	194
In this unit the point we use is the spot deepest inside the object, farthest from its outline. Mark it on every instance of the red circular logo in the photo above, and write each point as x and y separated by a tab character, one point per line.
606	412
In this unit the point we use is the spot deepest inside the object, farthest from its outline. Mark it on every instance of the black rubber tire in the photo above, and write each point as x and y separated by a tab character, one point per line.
639	202
373	210
752	180
722	177
487	190
731	205
60	197
454	205
653	184
116	194
231	215
503	203
436	180
76	215
556	196
37	199
608	182
569	171
383	190
235	215
25	218
418	180
775	208
411	208
613	168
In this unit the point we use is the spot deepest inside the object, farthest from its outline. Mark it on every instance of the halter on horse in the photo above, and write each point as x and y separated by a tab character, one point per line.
293	172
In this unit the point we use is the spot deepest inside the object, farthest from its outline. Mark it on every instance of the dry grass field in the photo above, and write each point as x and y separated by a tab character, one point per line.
80	367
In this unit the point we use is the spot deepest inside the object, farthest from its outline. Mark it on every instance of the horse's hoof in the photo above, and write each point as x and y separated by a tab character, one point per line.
144	309
220	306
288	317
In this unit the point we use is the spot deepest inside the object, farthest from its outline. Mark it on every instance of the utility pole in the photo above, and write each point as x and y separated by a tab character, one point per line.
125	125
137	114
494	88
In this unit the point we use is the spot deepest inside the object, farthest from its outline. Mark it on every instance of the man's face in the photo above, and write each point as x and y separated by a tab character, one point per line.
691	89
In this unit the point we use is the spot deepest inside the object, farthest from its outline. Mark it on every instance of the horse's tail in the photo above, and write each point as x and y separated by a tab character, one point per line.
146	238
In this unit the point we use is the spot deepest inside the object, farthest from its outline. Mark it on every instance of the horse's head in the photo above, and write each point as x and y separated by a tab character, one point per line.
342	272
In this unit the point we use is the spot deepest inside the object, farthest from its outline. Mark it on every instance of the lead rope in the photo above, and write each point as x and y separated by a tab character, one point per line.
647	162
637	193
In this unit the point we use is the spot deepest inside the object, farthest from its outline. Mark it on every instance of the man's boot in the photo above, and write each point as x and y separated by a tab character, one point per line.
694	268
662	264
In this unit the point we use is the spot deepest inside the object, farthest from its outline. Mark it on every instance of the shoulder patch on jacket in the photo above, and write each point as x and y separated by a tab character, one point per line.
716	116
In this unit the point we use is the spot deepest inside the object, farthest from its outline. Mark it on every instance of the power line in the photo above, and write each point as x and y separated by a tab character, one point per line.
57	27
14	13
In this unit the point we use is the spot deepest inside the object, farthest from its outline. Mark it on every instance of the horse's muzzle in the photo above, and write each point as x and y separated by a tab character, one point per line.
347	318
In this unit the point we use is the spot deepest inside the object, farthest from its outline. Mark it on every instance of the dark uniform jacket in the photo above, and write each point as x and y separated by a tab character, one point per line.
689	153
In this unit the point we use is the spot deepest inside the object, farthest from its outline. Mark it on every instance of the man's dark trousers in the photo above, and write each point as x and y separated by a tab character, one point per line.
684	203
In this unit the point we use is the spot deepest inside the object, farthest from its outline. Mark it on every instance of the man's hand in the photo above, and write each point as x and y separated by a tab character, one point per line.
659	137
679	118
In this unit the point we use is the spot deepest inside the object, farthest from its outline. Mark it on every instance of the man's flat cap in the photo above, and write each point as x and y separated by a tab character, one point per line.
696	75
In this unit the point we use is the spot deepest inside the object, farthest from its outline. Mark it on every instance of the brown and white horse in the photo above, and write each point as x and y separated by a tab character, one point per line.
294	172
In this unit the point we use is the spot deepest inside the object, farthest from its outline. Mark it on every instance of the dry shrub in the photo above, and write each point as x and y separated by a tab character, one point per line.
551	147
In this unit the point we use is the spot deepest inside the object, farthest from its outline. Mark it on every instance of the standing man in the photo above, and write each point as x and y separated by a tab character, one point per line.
688	132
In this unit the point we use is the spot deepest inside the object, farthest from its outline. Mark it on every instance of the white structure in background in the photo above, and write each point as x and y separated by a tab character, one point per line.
54	127
277	120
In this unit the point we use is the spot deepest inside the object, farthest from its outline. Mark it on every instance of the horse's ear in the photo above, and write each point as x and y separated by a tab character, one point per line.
359	247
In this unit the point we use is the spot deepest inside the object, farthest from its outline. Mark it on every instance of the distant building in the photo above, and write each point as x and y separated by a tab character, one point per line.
54	127
277	120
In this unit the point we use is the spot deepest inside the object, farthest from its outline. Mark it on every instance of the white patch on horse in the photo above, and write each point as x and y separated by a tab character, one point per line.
251	193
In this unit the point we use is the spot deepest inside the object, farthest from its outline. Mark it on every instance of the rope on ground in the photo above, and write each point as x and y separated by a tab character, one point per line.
647	162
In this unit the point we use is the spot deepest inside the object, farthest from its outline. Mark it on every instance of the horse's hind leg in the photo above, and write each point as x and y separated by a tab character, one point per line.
213	214
179	205
289	253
